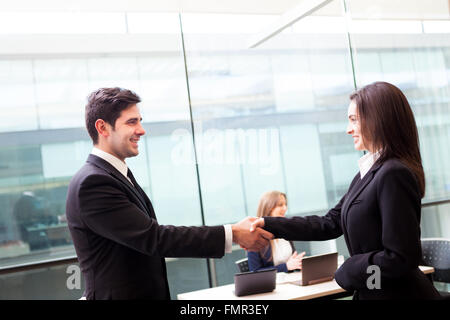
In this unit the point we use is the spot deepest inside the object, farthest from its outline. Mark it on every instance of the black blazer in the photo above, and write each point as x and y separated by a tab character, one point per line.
380	219
118	241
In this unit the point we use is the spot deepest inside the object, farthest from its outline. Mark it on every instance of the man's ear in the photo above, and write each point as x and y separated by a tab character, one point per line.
102	127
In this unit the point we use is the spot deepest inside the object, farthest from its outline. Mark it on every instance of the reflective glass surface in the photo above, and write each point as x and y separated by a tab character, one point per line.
270	117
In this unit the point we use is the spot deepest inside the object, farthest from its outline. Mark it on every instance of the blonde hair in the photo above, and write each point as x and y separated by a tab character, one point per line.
267	203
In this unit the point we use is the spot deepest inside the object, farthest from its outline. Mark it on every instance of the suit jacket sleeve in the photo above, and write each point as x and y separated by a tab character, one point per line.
399	206
308	228
107	211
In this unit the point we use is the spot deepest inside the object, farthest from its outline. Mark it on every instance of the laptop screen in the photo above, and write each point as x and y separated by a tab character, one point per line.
319	268
254	282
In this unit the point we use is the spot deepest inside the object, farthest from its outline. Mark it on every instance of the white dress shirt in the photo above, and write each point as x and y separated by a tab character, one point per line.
122	167
366	162
282	251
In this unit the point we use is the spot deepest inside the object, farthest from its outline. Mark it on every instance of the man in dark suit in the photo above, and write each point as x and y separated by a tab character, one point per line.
119	243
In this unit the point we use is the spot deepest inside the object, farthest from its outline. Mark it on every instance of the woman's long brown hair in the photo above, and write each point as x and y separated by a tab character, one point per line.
267	203
388	126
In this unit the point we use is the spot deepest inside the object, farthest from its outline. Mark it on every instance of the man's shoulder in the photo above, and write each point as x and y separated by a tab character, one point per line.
86	172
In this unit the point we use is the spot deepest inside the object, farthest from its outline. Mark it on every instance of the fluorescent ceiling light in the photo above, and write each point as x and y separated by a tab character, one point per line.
200	23
385	26
62	23
154	23
437	26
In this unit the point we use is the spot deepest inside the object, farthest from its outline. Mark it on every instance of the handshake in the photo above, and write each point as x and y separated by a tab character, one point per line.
248	233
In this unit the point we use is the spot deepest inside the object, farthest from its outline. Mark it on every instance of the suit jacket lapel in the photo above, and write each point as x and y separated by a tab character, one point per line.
105	165
145	201
359	186
353	193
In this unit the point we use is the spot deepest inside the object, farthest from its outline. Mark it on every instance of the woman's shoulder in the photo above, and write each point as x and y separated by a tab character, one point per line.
394	170
394	165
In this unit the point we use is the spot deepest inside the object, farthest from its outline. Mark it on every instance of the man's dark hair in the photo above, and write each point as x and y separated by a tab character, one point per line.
107	104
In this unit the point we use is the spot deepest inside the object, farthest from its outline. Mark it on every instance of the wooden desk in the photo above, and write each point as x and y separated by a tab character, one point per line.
283	291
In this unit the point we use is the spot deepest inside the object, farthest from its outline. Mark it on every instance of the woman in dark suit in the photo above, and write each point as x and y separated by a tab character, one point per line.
380	213
279	254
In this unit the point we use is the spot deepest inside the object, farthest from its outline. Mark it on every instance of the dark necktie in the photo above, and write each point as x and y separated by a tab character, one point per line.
133	180
137	187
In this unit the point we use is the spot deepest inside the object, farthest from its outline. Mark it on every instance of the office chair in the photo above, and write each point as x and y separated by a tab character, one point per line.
436	254
242	265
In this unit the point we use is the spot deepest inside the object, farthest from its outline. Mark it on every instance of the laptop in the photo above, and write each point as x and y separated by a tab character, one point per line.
319	268
246	283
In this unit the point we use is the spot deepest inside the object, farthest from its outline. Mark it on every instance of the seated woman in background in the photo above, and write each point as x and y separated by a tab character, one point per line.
280	253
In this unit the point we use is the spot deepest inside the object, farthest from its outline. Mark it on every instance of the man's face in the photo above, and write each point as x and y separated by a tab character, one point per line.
123	139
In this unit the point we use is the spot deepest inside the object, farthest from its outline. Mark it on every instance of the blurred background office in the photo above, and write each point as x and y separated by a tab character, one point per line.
239	97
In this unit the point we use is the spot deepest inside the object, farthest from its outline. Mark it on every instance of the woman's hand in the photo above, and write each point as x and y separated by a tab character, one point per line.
259	222
295	261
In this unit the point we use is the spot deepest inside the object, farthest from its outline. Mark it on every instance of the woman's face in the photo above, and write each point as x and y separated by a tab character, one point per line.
354	127
280	209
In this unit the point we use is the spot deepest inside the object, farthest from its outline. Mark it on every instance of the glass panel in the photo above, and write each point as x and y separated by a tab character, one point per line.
51	283
186	275
113	72
434	224
43	147
17	92
417	63
59	84
270	118
411	50
435	221
174	185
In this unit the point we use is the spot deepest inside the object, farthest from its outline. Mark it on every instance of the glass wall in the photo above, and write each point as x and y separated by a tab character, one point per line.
409	46
43	140
271	117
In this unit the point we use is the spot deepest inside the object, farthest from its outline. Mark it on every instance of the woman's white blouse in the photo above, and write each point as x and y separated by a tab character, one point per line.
281	251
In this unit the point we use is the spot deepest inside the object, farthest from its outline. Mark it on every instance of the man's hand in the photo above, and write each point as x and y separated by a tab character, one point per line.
250	240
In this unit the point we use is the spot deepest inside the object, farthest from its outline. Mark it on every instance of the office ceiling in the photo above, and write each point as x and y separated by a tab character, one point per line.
212	6
384	9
